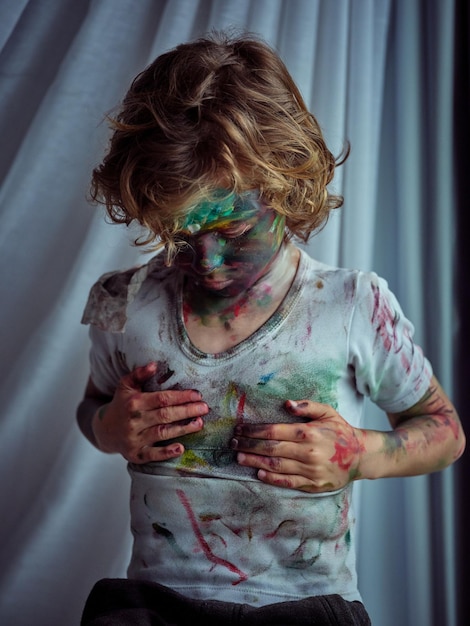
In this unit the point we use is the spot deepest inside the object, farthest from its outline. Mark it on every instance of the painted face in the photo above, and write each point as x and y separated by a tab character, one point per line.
229	244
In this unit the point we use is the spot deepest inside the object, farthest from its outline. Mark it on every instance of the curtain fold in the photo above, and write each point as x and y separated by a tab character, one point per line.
461	135
377	73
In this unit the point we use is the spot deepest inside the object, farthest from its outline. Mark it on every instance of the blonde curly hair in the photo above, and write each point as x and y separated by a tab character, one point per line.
220	111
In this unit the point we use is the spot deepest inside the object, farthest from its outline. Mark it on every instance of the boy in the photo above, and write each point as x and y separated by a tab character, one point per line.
230	370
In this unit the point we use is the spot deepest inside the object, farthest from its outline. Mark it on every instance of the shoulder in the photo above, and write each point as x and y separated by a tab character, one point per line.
113	292
332	282
353	288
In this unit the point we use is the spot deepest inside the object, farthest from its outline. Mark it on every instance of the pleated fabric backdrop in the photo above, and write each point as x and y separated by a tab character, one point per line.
375	72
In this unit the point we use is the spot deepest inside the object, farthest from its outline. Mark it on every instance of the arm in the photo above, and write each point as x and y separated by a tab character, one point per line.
426	438
327	453
131	421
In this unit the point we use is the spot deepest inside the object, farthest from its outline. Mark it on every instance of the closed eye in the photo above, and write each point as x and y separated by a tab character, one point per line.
185	243
236	231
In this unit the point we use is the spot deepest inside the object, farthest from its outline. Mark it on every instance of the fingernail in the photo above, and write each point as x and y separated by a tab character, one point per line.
234	444
297	405
241	458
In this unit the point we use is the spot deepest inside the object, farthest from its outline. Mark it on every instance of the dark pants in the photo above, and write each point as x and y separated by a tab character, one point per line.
122	602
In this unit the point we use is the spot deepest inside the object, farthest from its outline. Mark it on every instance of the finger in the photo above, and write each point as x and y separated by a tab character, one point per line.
170	397
150	454
164	432
143	373
296	481
157	426
134	380
279	432
274	470
307	408
263	447
277	464
150	410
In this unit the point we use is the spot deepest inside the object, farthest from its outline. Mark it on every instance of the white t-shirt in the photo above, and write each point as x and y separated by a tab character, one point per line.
202	524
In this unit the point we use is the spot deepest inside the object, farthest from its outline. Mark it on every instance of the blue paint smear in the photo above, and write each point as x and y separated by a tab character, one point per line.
265	379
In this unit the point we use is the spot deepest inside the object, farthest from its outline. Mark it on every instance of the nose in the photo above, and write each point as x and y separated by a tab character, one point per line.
207	253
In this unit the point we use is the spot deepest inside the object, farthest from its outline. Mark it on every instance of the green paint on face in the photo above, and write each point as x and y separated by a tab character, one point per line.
228	252
219	210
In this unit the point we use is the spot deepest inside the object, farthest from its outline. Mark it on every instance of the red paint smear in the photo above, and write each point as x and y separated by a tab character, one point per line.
345	511
203	543
241	408
386	320
186	311
345	453
406	363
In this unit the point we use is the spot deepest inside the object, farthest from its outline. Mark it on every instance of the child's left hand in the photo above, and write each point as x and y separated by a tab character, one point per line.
326	453
321	455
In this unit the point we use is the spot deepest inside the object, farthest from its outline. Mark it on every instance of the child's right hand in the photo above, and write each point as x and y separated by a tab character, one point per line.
134	421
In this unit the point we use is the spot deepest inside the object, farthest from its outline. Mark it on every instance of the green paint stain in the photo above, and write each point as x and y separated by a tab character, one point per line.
265	300
190	460
354	474
308	383
210	517
394	443
166	534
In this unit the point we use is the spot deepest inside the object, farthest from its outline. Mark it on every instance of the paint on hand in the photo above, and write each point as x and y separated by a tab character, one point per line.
347	450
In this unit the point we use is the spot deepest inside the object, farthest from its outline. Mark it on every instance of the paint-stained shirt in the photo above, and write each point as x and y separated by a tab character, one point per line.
202	524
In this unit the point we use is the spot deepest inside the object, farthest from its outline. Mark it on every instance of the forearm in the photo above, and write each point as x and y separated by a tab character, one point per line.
87	413
417	445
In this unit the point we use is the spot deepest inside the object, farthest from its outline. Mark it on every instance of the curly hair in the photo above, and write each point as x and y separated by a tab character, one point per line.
217	112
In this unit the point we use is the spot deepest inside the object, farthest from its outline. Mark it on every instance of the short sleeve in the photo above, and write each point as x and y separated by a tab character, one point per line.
106	311
107	360
389	366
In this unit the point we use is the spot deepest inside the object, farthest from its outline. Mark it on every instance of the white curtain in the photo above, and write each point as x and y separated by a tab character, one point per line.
375	72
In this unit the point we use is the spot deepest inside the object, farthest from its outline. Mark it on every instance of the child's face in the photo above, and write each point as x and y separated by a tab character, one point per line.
230	243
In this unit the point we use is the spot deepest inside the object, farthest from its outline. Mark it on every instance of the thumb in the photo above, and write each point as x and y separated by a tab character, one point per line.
141	377
307	408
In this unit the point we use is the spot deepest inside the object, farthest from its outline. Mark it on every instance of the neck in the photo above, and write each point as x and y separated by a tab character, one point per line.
213	309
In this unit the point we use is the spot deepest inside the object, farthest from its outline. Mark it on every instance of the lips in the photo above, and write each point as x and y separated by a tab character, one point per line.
215	284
